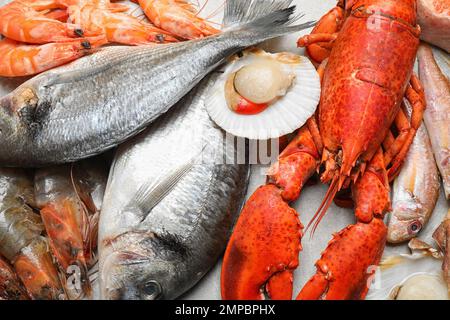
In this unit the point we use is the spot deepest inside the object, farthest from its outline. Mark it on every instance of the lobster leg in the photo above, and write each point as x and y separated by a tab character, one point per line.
313	127
318	44
263	250
349	261
312	38
397	149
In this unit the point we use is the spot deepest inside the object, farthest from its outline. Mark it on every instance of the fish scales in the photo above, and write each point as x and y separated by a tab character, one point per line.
188	229
415	190
99	101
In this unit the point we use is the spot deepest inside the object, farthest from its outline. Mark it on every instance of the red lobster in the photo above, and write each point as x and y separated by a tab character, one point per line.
360	134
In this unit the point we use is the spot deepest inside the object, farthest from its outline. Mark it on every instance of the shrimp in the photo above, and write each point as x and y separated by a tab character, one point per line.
21	240
113	7
24	21
58	14
177	17
11	288
89	179
20	59
70	218
118	27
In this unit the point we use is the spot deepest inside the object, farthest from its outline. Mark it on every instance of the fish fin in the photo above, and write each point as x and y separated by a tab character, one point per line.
151	193
262	19
239	12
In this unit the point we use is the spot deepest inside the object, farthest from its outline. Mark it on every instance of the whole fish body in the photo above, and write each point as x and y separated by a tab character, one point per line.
415	191
169	206
99	101
437	114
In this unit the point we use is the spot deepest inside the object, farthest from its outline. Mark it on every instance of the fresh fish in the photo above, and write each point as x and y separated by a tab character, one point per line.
11	288
434	19
437	114
169	205
65	196
99	101
21	240
415	191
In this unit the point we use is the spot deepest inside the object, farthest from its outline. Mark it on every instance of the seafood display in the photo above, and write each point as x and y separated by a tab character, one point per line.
22	243
44	34
281	90
55	118
172	149
415	191
37	40
166	221
118	27
44	248
365	102
437	115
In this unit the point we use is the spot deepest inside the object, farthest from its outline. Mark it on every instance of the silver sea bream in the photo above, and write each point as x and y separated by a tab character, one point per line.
170	204
99	101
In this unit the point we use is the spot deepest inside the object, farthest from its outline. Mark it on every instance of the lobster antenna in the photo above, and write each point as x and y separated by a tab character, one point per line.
320	213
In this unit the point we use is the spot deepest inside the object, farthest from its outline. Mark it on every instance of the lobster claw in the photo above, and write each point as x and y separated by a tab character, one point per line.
348	263
263	250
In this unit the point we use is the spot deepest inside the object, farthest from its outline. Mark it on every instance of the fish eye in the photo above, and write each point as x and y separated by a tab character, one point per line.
151	290
414	227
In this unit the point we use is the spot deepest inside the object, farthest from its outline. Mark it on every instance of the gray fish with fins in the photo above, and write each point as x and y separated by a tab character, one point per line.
99	101
170	204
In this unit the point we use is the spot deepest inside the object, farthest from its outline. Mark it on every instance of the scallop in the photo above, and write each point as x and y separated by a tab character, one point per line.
262	95
262	81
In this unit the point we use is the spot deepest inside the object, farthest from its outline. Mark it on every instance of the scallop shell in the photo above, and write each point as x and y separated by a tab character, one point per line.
396	270
284	116
421	286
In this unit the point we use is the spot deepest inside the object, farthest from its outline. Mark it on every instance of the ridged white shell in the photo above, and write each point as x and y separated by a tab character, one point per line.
396	270
282	117
422	286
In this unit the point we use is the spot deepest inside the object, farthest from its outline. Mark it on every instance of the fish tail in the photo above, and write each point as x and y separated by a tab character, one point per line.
254	21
